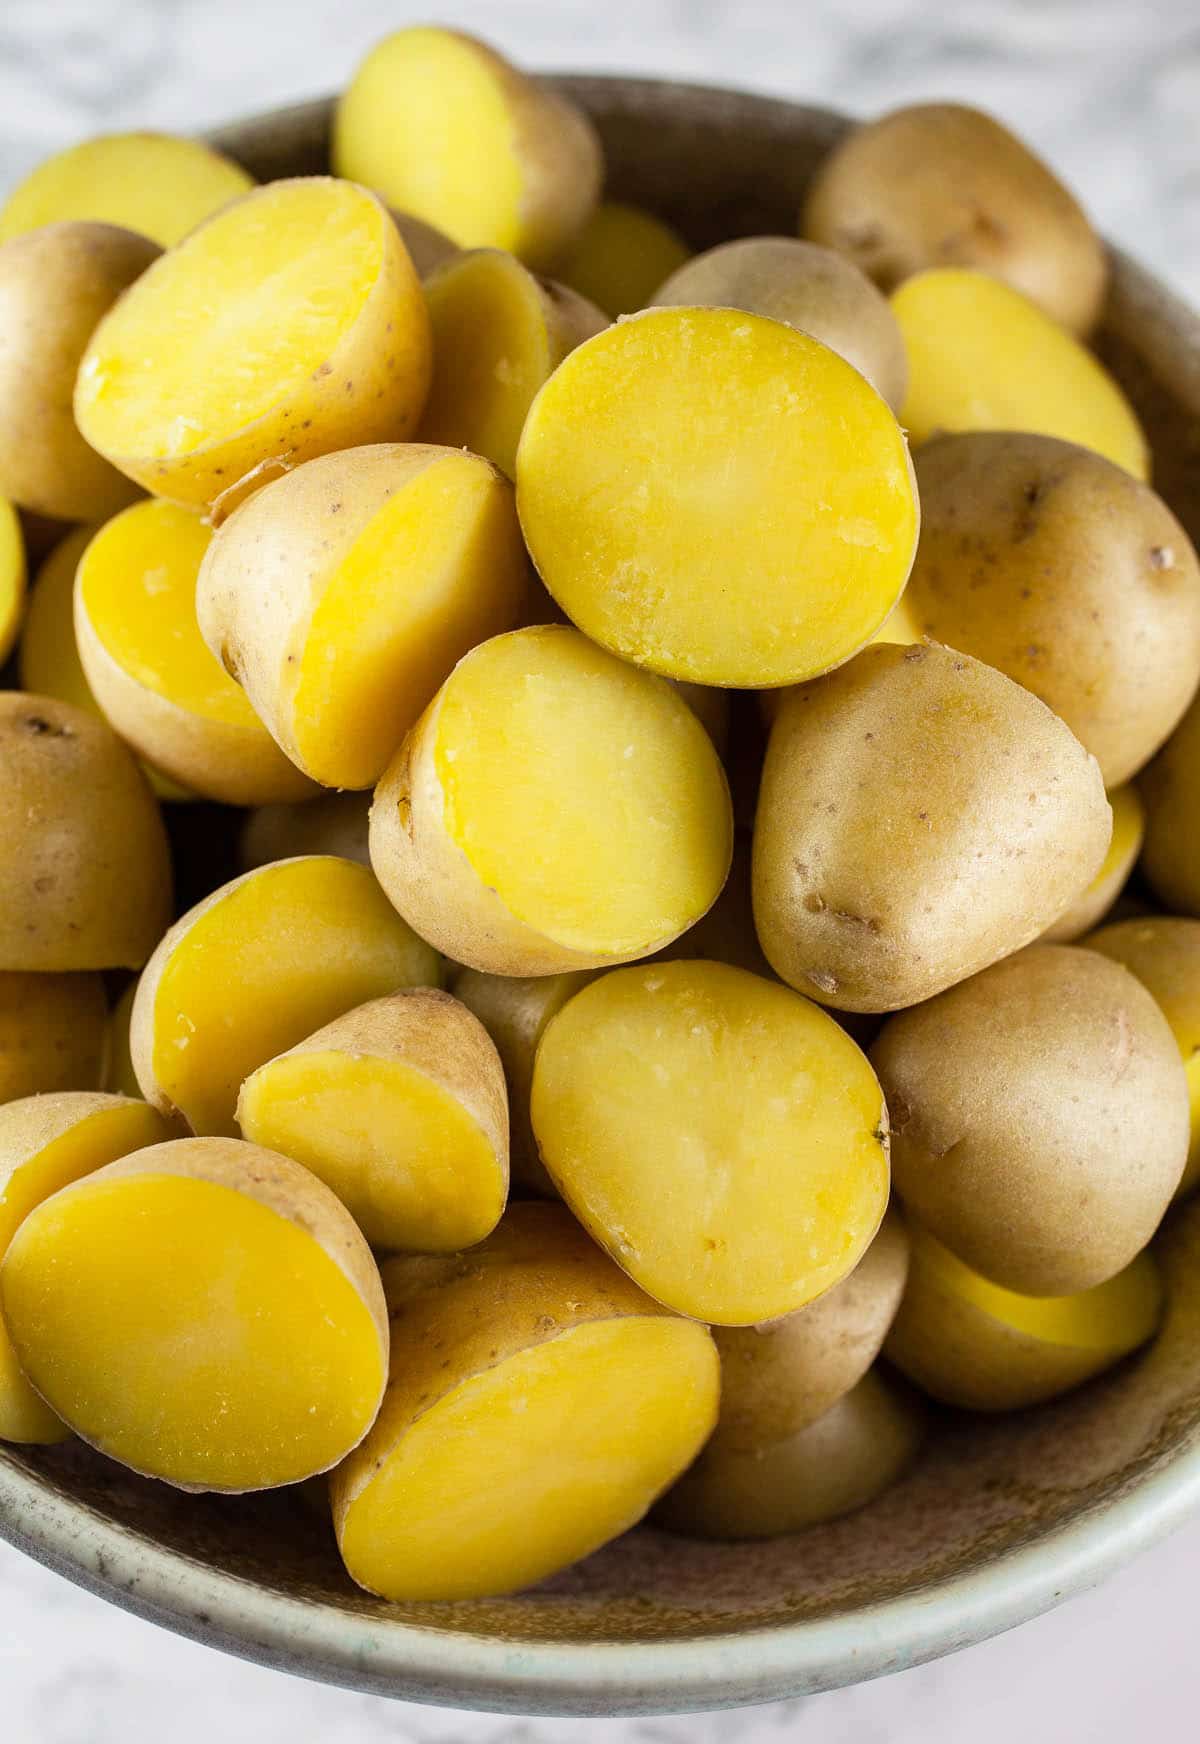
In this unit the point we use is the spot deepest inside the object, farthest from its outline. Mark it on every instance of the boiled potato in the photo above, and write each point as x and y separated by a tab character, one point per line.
1055	566
399	1106
1170	790
1164	953
726	933
341	595
336	823
553	809
53	1033
751	537
55	284
119	1074
723	1138
778	1378
1129	827
84	864
538	1404
322	343
445	128
498	334
983	357
427	246
12	577
1040	1118
920	816
811	288
253	969
239	1339
621	257
842	1461
973	1344
153	183
941	184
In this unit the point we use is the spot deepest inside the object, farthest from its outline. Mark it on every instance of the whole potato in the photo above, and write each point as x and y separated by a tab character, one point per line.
1040	1118
1055	566
53	1033
941	184
1170	790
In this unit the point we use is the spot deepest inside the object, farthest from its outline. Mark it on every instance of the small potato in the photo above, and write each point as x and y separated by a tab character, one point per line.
811	288
233	1334
1053	565
445	128
84	864
541	738
1170	790
726	933
341	595
778	1378
1040	1118
119	1074
920	816
427	246
253	969
1129	825
55	285
723	1138
538	1404
941	184
747	538
499	333
336	823
983	357
850	1455
12	577
621	257
155	184
971	1343
53	1033
334	352
400	1108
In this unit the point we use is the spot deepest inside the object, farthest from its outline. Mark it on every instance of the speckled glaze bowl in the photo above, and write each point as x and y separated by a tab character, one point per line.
997	1522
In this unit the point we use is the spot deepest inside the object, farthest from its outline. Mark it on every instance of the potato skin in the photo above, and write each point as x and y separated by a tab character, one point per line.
920	816
1088	910
55	285
1055	566
53	1033
941	184
1040	1118
1170	790
334	823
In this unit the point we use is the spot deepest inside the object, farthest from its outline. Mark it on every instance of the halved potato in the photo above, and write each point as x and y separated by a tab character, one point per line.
621	257
12	577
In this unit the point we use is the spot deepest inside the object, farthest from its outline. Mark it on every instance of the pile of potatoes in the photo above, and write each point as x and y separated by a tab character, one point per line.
666	813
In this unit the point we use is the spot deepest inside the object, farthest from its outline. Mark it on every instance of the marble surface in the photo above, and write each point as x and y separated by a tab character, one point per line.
1109	91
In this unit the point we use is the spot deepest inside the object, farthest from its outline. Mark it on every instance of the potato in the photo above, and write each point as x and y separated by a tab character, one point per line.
322	343
55	284
399	1106
1129	825
243	1338
156	184
723	1138
498	334
749	538
971	1343
920	816
540	738
1164	953
119	1074
1170	790
1053	565
778	1378
726	933
810	288
621	257
12	577
427	246
336	823
146	664
253	969
341	595
533	1342
46	1142
1039	1118
711	708
84	864
983	357
53	1033
445	128
850	1455
940	185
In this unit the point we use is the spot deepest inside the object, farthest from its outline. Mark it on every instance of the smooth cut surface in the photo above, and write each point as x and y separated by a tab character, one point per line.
12	577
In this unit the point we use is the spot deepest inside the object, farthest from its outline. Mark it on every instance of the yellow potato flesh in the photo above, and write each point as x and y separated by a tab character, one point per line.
24	1417
403	1155
152	183
119	1074
623	255
532	1464
718	497
722	1137
12	577
983	357
227	1349
619	786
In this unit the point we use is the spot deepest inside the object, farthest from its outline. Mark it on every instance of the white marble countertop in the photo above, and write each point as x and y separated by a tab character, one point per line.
1109	91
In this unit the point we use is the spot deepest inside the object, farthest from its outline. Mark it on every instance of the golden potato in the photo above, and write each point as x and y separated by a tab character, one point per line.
621	257
335	823
12	577
1039	1117
427	246
920	816
1129	826
1170	790
53	1033
726	933
119	1074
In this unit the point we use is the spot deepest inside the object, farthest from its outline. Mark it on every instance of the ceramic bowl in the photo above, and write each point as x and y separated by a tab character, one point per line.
998	1521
